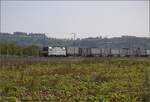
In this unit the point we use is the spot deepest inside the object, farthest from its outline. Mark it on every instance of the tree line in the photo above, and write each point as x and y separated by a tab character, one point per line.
12	49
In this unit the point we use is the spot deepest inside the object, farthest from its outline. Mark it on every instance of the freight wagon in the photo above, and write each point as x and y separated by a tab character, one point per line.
106	52
85	52
143	52
115	52
148	52
96	52
124	52
73	51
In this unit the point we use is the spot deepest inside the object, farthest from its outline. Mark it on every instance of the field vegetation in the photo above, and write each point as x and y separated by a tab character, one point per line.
12	49
75	80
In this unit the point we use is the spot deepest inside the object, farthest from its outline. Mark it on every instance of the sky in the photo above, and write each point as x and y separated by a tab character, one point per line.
60	19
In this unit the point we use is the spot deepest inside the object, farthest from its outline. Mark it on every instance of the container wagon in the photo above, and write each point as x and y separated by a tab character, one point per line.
96	52
106	52
115	52
85	52
72	51
124	52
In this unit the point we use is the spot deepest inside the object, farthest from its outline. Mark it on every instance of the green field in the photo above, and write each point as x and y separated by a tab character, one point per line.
75	80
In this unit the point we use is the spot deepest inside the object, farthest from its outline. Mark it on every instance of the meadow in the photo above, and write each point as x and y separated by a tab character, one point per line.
75	80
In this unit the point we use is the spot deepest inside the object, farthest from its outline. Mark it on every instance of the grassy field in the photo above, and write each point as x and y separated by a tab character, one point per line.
75	80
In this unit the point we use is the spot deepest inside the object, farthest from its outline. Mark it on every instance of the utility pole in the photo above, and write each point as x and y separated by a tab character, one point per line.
107	48
129	47
74	37
145	48
45	39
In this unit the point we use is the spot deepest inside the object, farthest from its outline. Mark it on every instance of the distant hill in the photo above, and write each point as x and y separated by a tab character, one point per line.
40	40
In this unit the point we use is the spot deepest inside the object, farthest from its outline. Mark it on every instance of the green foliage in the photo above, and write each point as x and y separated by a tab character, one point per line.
11	49
9	99
77	80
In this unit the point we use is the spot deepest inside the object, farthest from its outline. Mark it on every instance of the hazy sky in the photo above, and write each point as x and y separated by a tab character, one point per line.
86	18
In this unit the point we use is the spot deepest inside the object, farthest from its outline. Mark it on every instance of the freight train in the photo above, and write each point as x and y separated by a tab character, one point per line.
95	52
